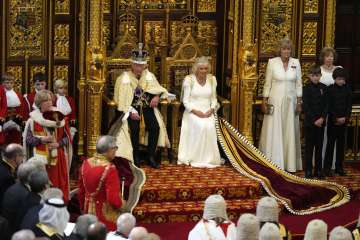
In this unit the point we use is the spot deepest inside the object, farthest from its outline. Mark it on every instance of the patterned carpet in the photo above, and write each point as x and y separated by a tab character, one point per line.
177	193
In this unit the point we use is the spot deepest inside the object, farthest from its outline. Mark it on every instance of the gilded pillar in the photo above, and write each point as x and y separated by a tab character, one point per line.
81	83
330	23
234	80
95	63
247	71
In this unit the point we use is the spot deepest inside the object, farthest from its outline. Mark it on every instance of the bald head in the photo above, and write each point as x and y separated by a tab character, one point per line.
23	235
125	223
97	231
15	153
138	233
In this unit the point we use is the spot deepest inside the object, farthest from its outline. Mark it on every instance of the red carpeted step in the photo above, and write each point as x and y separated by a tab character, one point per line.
173	183
187	211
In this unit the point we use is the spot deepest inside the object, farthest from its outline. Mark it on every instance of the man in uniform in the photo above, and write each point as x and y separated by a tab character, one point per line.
137	94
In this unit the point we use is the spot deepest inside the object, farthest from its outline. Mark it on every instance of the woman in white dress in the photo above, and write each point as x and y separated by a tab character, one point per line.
198	140
280	133
327	58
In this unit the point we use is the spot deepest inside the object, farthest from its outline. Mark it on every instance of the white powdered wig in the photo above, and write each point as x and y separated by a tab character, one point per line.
125	223
269	231
138	233
340	233
54	214
215	207
199	62
316	230
248	227
267	210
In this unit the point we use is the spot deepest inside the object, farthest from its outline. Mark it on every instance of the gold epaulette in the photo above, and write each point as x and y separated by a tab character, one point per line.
356	234
284	233
49	231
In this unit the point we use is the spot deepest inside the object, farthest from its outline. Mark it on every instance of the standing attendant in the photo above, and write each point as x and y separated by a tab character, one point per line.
39	82
280	133
315	110
339	102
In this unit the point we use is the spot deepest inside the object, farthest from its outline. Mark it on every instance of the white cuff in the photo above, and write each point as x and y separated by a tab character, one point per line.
127	114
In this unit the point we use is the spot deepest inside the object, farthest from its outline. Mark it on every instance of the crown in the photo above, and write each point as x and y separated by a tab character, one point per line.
139	56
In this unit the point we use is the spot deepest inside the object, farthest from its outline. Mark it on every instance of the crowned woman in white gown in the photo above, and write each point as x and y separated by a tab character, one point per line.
198	140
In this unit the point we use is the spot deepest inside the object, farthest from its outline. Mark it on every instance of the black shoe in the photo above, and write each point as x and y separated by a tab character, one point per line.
308	175
340	172
328	173
137	161
319	175
153	163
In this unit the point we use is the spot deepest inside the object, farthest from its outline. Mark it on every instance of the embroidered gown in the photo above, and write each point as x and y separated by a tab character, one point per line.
280	133
198	140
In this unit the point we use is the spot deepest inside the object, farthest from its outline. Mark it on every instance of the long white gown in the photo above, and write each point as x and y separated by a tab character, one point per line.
210	230
327	79
198	141
280	133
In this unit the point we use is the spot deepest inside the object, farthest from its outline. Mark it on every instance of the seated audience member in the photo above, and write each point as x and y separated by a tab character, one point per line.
81	227
96	231
101	179
124	224
340	233
152	236
138	233
215	223
356	232
15	116
23	235
39	81
31	218
269	231
38	182
13	156
316	230
267	210
16	194
248	227
53	218
40	163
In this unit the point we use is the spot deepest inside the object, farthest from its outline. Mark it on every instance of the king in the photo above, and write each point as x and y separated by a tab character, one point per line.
137	94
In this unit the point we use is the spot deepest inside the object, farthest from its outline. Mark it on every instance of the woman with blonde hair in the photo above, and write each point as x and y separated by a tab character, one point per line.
280	133
198	140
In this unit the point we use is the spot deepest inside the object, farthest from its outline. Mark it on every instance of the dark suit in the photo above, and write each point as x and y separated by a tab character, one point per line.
31	218
13	199
40	232
339	102
315	107
31	200
74	236
6	178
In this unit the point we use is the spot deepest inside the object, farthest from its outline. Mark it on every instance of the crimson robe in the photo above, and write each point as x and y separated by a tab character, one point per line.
3	111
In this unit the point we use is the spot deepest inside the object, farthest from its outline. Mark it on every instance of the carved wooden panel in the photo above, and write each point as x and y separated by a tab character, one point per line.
311	6
26	28
309	39
153	4
61	41
260	85
62	6
206	5
61	72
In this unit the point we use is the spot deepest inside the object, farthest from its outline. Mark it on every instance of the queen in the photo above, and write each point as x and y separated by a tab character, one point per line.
198	141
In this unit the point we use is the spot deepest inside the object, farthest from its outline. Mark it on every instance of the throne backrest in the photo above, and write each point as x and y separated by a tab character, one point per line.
181	63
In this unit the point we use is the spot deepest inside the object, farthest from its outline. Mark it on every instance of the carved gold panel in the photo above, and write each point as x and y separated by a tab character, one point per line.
26	21
206	5
309	39
305	66
106	6
275	23
61	41
154	35
207	37
311	6
128	24
61	72
62	7
153	4
107	32
260	85
16	71
33	70
177	33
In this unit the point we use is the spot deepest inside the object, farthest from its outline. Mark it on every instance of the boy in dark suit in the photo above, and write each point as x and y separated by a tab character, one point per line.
315	110
339	102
